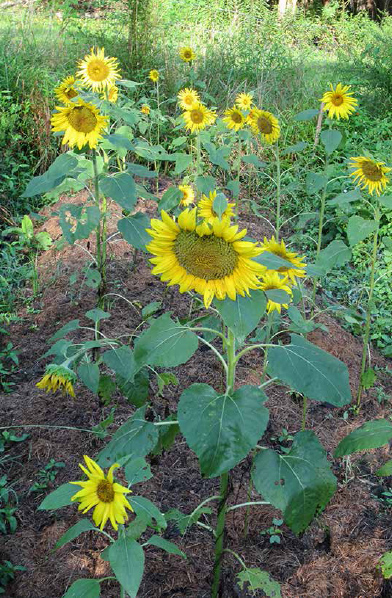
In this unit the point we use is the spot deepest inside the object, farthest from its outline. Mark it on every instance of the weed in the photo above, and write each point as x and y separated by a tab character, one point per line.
46	476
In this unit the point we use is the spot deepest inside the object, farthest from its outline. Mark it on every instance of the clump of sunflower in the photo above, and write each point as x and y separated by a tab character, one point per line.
187	54
67	91
188	98
81	122
103	493
265	124
145	109
234	118
188	195
98	71
154	75
198	117
369	174
244	101
211	259
339	101
58	377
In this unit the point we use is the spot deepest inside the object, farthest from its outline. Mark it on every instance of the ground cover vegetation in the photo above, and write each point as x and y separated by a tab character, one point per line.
261	196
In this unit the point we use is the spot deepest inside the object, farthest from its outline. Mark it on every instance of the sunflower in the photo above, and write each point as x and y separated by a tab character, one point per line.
103	493
244	101
186	54
370	174
188	195
205	208
234	119
66	91
272	281
188	98
145	109
265	124
154	75
210	259
82	123
97	70
339	102
251	115
58	377
279	249
198	118
111	94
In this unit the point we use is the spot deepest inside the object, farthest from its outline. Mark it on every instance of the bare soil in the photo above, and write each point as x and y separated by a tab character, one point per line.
336	557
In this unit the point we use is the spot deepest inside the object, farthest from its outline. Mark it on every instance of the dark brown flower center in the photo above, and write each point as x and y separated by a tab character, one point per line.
236	117
264	125
206	257
105	491
372	171
82	119
196	116
337	100
70	93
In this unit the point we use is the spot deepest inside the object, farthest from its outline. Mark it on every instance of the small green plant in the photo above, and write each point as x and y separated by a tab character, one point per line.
8	362
8	502
46	475
6	437
7	574
274	532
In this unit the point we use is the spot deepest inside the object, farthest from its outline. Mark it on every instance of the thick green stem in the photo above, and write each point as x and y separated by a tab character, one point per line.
237	203
320	230
198	154
278	188
368	311
220	533
224	479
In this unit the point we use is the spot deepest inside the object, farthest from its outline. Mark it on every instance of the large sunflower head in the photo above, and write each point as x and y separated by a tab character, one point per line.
188	195
187	54
234	119
265	124
154	75
209	259
98	71
198	118
103	493
66	91
205	208
244	101
369	174
297	270
273	281
339	102
188	98
58	377
82	124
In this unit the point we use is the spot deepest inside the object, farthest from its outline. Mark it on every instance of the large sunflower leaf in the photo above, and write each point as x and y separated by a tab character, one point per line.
243	314
126	558
135	438
359	229
370	435
121	188
84	588
221	428
165	344
299	483
310	371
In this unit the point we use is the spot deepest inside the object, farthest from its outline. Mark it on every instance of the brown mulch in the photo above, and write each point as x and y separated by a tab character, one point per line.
337	555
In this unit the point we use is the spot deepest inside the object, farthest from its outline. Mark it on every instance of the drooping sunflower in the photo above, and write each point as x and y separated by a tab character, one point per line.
154	75
98	71
66	91
234	119
369	174
82	124
58	377
265	124
210	259
103	493
186	54
297	270
145	109
205	208
339	102
198	118
244	101
188	98
273	281
188	195
111	94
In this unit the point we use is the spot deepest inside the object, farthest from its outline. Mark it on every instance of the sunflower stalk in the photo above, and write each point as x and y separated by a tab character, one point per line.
368	311
278	191
224	479
320	229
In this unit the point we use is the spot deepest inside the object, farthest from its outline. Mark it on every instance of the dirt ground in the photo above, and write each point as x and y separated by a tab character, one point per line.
337	555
